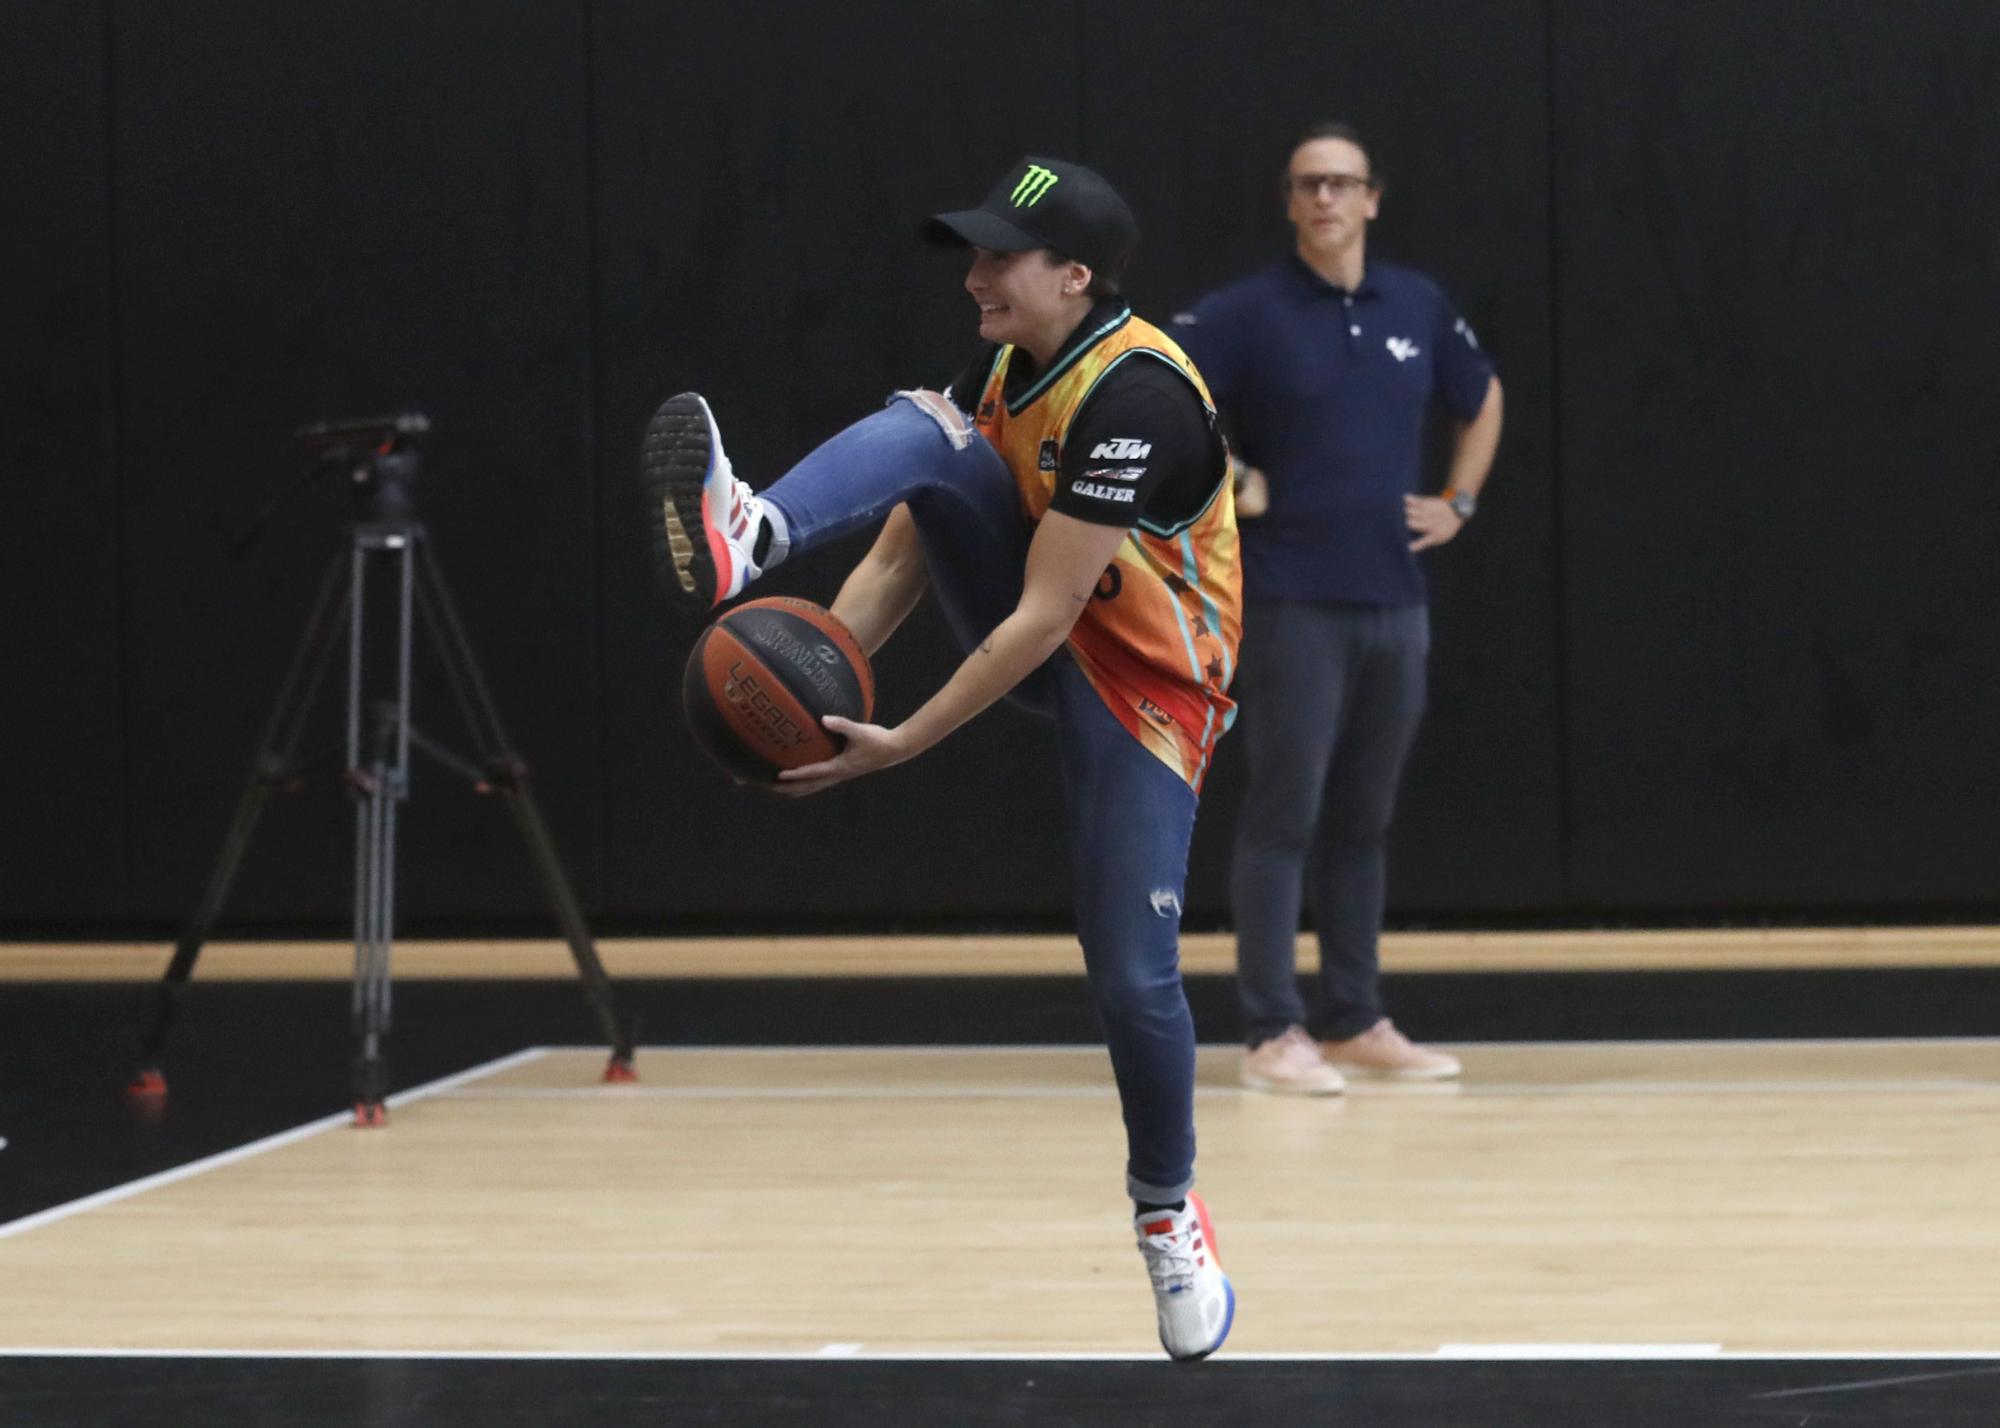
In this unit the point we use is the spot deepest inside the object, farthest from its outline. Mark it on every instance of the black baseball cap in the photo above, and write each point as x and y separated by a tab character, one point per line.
1046	203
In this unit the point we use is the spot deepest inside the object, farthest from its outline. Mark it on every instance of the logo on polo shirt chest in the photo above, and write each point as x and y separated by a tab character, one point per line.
1402	349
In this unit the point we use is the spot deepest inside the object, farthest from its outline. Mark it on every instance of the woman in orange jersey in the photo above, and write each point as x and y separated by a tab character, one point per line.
1066	501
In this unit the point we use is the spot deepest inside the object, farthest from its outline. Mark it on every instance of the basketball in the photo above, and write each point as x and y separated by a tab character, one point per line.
761	678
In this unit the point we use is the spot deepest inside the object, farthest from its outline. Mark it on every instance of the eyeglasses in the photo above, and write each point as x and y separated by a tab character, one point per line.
1309	185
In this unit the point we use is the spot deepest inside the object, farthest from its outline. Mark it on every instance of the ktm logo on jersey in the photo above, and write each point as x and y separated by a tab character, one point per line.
1122	448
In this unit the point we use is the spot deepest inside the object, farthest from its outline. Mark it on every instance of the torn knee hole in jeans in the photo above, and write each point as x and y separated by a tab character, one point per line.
951	421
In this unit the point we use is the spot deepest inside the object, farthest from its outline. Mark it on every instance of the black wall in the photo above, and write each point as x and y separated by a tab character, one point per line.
1777	270
1719	644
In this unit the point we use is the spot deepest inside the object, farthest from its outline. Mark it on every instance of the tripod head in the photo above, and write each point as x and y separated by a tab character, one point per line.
380	456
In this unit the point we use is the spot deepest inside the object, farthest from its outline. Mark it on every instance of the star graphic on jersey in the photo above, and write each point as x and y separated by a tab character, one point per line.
1177	585
1215	669
1200	626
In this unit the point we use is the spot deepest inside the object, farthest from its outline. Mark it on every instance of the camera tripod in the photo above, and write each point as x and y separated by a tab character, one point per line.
381	457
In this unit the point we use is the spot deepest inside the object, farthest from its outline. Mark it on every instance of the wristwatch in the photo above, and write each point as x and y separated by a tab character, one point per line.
1461	503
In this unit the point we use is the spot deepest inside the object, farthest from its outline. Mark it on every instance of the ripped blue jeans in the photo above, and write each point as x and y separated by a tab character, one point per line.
1129	816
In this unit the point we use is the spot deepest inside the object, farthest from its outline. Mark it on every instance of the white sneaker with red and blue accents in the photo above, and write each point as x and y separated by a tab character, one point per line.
705	522
1194	1297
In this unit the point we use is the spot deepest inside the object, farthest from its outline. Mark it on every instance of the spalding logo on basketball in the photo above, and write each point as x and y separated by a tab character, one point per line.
762	677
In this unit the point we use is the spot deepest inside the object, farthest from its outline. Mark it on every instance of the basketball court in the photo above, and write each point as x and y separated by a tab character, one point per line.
1763	1227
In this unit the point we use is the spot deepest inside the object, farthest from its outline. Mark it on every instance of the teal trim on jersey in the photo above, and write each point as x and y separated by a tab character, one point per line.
1187	643
1171	532
1181	372
1191	574
1154	352
1042	382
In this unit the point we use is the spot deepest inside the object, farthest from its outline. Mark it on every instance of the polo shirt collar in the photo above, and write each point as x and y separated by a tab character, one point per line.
1303	271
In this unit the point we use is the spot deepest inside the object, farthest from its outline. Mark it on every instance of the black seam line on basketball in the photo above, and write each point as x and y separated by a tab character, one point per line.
846	684
853	658
713	733
744	666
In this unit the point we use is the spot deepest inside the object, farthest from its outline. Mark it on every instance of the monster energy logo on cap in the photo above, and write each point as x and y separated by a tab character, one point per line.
1047	203
1035	183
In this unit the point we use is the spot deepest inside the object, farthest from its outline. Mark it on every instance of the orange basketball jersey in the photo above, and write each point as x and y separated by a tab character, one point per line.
1159	641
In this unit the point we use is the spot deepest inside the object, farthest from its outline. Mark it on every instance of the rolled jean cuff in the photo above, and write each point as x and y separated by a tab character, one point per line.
1146	1194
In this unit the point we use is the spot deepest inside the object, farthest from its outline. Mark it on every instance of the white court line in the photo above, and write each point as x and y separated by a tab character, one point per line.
1035	1048
1720	1088
614	1094
912	1048
1444	1353
1700	1042
1593	1352
1361	1088
1387	1091
255	1147
611	1095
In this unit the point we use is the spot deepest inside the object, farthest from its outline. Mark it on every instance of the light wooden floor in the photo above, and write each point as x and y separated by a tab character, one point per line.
1694	949
1771	1197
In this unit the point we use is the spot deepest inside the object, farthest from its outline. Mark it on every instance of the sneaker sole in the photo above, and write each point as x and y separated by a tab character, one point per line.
1260	1083
1369	1073
673	469
1228	1320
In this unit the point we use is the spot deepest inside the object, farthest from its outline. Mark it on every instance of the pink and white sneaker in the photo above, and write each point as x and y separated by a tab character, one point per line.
705	522
1291	1065
1195	1300
1385	1052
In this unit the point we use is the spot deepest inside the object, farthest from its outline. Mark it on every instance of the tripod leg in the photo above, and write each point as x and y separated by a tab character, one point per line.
374	913
569	916
271	767
381	785
509	775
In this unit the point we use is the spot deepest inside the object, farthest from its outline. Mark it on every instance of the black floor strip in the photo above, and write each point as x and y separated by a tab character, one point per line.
432	1393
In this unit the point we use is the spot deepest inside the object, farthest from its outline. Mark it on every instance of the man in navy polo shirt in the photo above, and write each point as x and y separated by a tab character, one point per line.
1327	363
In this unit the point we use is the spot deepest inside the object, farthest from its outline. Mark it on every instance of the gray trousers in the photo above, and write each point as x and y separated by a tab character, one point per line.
1331	699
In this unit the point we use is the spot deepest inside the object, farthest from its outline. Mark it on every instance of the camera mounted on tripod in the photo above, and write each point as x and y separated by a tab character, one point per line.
380	456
